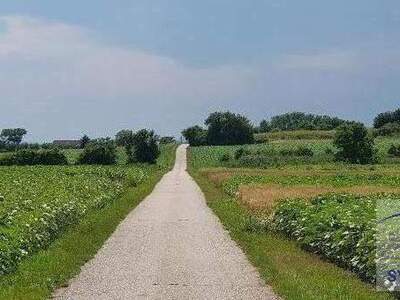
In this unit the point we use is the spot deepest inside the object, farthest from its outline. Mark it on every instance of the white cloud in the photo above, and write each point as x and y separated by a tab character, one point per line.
55	59
59	80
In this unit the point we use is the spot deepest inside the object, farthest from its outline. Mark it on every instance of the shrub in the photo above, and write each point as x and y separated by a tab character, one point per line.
99	152
240	152
144	148
387	117
167	140
226	128
28	157
225	157
300	120
265	126
388	129
329	151
84	141
124	137
354	144
195	135
394	150
304	151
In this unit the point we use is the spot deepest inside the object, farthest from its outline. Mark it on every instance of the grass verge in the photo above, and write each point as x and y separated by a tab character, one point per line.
292	272
38	276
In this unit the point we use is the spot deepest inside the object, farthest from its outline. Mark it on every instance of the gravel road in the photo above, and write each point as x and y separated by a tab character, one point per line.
170	247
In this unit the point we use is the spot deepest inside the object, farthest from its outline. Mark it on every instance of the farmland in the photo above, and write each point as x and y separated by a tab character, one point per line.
323	153
39	205
319	213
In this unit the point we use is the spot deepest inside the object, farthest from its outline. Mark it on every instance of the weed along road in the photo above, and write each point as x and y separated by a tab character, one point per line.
170	247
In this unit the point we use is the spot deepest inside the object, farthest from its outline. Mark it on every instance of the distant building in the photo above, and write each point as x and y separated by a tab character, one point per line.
67	143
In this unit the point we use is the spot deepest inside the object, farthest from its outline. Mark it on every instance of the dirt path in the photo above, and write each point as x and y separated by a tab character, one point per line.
170	247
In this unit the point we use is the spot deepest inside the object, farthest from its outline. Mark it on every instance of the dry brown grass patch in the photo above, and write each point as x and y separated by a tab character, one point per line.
263	198
219	175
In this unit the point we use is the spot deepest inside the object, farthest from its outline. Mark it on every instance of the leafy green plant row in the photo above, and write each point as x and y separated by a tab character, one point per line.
38	203
341	228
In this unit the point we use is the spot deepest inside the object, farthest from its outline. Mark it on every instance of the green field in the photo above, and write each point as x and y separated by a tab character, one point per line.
40	205
319	214
210	156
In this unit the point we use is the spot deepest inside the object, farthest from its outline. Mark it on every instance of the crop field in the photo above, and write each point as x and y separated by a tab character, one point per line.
327	208
331	215
271	154
38	203
339	227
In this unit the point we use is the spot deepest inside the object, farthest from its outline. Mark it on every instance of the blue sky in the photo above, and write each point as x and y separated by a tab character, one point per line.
73	67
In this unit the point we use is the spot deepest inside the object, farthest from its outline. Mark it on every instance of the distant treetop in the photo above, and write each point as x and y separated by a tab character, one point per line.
300	120
387	117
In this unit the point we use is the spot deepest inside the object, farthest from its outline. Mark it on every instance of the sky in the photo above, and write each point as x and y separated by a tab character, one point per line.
69	68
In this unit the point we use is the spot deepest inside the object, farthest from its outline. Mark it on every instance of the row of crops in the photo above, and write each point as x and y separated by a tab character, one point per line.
346	229
38	203
338	226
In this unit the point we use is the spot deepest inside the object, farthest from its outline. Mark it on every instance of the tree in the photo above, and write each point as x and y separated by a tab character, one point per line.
226	128
13	135
388	129
124	138
167	140
300	120
354	144
265	126
101	152
387	117
84	141
195	135
144	148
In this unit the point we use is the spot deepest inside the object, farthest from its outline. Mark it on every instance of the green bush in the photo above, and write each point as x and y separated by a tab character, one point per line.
300	120
389	129
354	144
226	128
124	137
225	157
387	117
195	136
240	152
29	157
99	152
338	227
144	148
167	140
394	150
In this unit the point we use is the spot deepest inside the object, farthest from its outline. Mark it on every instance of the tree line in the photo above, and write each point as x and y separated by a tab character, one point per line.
387	123
354	142
141	147
299	121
